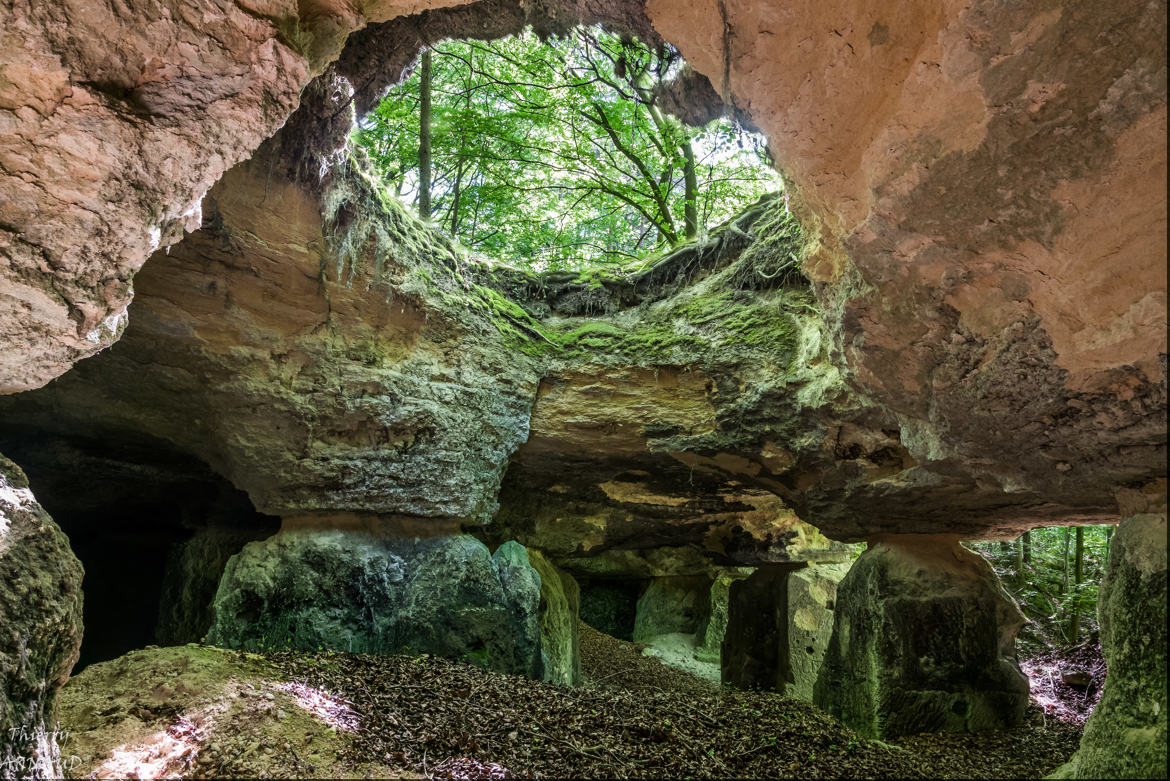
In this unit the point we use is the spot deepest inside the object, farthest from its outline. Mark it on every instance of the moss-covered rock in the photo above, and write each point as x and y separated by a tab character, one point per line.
672	605
560	602
1126	735
193	571
522	585
355	592
40	626
923	641
812	596
709	638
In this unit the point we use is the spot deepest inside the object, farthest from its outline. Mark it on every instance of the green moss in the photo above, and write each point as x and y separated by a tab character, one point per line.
734	317
648	344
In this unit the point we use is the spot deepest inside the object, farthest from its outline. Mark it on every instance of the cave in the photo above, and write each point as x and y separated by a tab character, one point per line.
265	407
152	526
611	606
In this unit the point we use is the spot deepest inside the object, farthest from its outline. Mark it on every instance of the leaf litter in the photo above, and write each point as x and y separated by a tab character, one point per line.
292	714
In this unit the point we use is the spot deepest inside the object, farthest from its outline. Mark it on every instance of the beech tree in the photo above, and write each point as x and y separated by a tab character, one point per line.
556	153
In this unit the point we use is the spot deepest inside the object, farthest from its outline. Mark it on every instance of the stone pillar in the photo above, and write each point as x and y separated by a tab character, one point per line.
779	622
560	638
755	646
676	604
40	627
923	640
1126	735
812	597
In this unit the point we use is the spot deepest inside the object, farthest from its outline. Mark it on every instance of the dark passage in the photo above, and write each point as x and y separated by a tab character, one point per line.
610	606
153	528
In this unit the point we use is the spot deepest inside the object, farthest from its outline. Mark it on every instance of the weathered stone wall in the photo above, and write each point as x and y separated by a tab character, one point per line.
672	605
356	592
923	640
1126	735
40	626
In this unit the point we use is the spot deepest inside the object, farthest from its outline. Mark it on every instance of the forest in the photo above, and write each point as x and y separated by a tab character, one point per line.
557	154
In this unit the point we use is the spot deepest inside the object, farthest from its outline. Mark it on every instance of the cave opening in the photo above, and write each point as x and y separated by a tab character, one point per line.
152	526
564	152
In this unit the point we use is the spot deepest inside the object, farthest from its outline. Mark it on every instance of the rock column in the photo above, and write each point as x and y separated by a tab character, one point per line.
40	627
755	646
923	640
779	621
1126	735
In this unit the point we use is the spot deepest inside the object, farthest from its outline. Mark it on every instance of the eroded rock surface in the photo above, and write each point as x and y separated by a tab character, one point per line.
40	627
360	593
1126	735
923	640
560	605
989	191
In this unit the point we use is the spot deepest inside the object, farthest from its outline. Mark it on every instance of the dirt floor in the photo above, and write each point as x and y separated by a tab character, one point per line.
205	712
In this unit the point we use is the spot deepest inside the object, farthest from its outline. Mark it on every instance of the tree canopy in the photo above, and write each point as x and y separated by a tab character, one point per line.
555	154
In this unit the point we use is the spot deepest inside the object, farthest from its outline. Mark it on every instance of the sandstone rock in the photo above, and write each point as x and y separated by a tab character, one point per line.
560	602
355	592
777	624
812	597
966	258
317	357
709	638
523	590
754	652
923	640
1125	737
40	627
675	605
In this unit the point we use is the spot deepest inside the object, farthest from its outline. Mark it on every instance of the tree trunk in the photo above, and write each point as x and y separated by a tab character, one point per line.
691	193
1078	576
1020	560
455	192
1064	559
1027	538
424	138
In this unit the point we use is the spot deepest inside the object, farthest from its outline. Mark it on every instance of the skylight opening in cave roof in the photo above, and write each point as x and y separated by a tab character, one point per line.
557	154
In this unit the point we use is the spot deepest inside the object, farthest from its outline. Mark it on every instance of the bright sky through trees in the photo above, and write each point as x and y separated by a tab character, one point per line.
556	155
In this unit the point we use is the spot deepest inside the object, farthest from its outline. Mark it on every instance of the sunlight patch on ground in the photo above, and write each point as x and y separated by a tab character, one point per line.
329	708
165	754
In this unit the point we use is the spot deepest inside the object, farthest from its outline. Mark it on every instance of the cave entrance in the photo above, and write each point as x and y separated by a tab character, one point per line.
562	153
1053	573
610	605
153	528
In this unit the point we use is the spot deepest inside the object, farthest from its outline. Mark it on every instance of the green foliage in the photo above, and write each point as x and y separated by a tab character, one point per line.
1047	590
555	154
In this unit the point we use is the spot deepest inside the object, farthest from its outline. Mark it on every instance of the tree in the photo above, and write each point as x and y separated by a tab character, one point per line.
1078	578
424	136
1059	601
556	153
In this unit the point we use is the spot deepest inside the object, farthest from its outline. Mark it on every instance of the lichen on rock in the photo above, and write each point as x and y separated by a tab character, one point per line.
40	627
923	640
361	593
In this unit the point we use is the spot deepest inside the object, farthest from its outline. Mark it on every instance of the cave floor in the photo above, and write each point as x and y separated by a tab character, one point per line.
204	712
